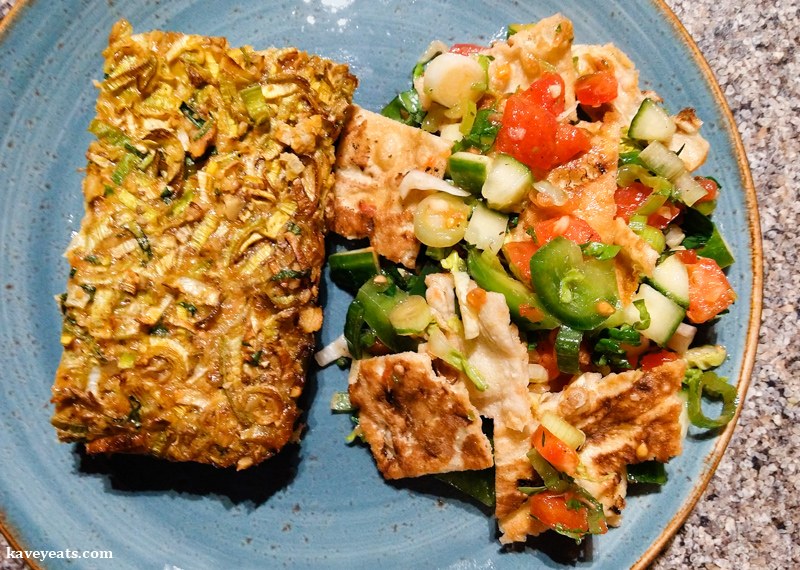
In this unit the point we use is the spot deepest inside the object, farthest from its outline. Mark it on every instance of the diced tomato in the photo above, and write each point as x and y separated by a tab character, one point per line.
531	313
661	218
630	199
555	452
551	509
596	88
570	141
467	49
519	253
656	359
548	93
528	133
709	290
571	227
687	256
711	188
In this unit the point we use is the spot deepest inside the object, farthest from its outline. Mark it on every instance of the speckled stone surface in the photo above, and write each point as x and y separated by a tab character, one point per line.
749	517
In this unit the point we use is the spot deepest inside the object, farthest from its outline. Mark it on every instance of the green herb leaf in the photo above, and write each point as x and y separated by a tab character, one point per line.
601	251
290	274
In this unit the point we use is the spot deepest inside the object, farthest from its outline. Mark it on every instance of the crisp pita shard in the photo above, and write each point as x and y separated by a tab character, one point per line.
374	155
416	421
530	52
502	360
627	418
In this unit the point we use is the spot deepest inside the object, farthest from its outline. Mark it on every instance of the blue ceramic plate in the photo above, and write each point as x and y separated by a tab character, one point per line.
323	503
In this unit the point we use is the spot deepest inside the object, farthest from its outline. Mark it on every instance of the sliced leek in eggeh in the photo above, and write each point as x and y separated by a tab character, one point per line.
440	220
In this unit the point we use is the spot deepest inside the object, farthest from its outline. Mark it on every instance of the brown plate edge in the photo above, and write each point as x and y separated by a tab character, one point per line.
756	262
755	306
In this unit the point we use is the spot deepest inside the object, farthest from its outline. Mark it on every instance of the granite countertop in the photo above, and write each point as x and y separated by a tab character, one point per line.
749	517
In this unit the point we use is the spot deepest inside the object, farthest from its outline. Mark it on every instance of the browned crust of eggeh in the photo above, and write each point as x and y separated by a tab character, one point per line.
755	306
756	265
5	530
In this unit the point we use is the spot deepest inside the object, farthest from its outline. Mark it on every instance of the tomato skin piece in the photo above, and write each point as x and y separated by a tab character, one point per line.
528	133
571	227
548	93
555	452
596	88
709	291
687	256
546	349
711	188
663	216
467	49
550	508
519	253
656	359
630	198
570	141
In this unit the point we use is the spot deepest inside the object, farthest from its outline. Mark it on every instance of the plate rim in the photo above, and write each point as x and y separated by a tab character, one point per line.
754	321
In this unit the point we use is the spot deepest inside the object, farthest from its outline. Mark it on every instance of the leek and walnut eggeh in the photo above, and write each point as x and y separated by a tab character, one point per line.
192	298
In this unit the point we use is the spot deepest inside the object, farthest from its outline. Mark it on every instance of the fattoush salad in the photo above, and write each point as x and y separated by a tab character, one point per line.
541	255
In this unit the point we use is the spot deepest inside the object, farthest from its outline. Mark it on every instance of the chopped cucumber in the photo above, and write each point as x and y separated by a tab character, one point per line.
717	249
662	161
351	269
665	314
651	123
568	344
411	315
671	278
507	183
469	170
486	229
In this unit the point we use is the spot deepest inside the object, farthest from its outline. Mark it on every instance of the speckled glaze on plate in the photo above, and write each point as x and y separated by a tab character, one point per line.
323	503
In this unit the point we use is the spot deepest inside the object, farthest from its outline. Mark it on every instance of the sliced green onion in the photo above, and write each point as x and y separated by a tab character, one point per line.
551	477
709	384
563	430
340	402
353	323
600	250
255	103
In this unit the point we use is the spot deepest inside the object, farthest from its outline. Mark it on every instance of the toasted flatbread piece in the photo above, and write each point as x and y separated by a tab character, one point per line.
192	302
415	421
627	418
374	155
